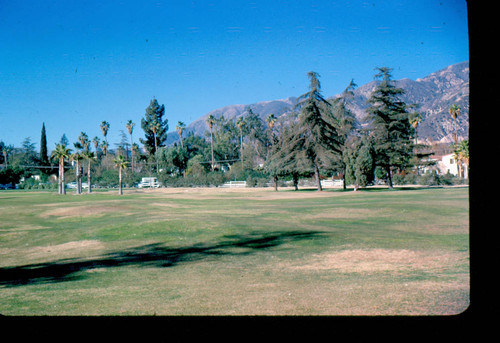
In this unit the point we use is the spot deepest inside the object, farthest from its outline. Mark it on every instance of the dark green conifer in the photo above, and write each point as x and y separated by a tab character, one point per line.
44	158
154	126
390	125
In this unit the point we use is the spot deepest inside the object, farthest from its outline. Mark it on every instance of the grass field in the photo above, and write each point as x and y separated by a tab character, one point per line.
235	252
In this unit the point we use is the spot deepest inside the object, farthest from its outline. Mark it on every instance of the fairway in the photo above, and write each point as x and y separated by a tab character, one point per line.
212	251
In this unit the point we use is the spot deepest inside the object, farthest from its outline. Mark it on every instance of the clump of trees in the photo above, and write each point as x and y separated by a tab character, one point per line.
320	139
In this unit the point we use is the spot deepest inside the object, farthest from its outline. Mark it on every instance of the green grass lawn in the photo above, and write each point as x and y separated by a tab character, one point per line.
235	252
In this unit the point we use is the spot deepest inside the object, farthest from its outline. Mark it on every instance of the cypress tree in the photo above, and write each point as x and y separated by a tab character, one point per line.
44	158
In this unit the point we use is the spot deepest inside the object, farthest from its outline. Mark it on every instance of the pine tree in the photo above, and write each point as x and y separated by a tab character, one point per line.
320	139
390	125
155	127
345	121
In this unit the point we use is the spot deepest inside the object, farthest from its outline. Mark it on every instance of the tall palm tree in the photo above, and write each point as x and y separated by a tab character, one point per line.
60	153
130	127
241	123
271	120
461	151
180	127
77	157
104	129
104	147
6	152
211	122
83	139
415	122
96	142
121	164
89	156
454	112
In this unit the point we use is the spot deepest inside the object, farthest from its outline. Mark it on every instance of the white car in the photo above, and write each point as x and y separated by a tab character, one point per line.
71	185
149	182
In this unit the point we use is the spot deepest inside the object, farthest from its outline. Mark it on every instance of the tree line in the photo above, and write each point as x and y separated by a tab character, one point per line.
319	139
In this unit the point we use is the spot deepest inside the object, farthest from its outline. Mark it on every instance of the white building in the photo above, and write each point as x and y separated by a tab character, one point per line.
448	164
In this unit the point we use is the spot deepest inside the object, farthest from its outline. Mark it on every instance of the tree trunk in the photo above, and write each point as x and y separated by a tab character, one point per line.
316	176
132	151
241	145
275	178
120	191
156	153
212	147
63	184
389	177
59	180
89	190
77	177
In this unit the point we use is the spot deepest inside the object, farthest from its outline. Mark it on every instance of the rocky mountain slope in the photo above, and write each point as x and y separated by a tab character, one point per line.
434	94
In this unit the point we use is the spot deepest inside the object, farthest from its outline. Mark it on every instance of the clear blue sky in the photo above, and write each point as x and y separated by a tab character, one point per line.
73	64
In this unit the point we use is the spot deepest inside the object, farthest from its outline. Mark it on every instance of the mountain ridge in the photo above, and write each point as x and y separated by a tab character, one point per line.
434	94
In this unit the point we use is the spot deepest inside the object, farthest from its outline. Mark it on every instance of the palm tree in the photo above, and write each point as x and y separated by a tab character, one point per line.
155	126
104	129
130	127
415	121
76	156
60	153
454	112
6	152
461	151
137	153
211	122
271	120
241	123
180	128
104	147
89	156
96	142
83	139
121	163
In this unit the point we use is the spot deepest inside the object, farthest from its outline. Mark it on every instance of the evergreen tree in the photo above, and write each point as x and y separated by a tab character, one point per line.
254	133
44	158
390	125
360	165
64	140
320	139
345	121
286	157
155	127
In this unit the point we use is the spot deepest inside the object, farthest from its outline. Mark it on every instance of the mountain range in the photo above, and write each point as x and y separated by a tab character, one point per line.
434	94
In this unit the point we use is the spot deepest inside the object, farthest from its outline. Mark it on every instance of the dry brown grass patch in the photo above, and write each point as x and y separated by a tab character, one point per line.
81	211
381	260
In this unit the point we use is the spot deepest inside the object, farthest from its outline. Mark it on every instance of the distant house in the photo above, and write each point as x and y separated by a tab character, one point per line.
447	164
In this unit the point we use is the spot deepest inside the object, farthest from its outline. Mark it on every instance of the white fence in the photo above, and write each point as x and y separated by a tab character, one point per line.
332	183
234	184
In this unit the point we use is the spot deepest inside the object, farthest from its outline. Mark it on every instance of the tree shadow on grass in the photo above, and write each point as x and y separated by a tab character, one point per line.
155	255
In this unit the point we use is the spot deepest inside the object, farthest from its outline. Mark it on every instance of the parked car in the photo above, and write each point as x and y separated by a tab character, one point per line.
149	182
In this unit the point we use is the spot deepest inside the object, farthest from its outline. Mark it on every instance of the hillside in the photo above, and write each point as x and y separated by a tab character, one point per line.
434	94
